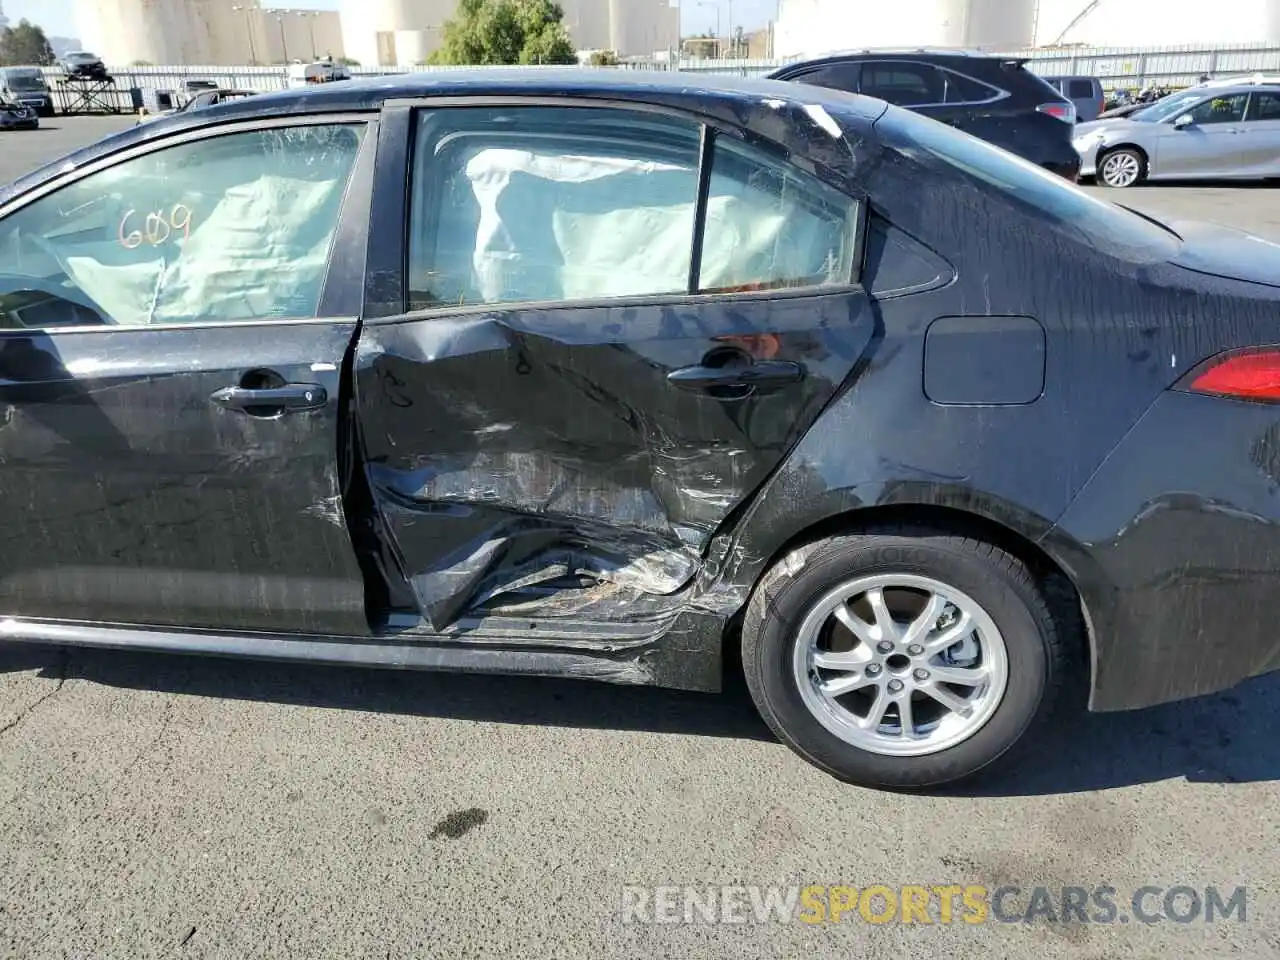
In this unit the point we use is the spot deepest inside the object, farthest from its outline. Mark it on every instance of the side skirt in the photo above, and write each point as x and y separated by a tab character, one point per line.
683	658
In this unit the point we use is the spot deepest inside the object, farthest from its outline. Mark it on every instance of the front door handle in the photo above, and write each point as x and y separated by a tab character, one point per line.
761	375
272	400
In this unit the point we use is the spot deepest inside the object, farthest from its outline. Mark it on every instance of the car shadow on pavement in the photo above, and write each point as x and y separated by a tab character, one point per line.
491	699
1227	738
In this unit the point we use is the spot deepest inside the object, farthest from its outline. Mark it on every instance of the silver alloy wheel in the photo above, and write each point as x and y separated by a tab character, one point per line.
900	665
1121	169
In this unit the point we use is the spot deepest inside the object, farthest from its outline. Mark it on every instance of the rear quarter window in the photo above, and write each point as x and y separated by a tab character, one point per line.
963	89
1081	89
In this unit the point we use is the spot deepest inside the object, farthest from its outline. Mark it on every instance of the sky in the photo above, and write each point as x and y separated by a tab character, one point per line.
57	17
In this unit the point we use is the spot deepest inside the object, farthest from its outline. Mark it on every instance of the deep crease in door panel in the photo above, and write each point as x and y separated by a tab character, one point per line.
580	460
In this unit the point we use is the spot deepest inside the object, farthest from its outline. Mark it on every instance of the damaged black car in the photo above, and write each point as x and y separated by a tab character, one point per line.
642	378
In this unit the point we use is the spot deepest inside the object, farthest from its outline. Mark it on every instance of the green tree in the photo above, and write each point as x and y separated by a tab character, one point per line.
604	58
25	45
505	32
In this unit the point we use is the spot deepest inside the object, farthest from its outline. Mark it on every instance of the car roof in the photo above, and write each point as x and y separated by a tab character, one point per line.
939	56
910	51
936	54
715	96
1217	89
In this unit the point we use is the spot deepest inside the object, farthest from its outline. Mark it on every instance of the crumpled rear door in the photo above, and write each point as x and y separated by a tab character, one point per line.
561	427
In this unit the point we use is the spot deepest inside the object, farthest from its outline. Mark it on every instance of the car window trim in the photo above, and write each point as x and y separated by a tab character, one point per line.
394	106
342	290
450	312
706	161
398	123
1001	94
363	165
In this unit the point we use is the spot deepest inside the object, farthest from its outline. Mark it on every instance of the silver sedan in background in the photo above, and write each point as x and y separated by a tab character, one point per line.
1227	131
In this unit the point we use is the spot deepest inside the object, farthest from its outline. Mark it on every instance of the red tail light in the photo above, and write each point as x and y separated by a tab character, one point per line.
1244	374
1066	112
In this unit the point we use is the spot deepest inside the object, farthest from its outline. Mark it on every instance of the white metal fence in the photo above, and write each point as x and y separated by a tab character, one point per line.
1118	67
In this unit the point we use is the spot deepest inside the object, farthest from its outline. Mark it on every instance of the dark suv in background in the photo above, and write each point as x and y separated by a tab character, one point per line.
992	97
83	65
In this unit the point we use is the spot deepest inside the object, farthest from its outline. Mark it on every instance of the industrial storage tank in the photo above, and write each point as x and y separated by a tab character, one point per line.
370	29
811	27
1157	23
996	24
642	28
154	31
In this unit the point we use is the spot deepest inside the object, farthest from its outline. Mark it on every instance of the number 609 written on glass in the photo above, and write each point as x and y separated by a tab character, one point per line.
154	228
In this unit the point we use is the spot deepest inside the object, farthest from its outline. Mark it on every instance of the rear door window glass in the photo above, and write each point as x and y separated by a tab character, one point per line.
233	227
1081	90
583	203
771	225
550	203
835	76
902	82
1266	106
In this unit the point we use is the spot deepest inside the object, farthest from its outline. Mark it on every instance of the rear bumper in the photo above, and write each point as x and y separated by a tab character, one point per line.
1055	154
1175	547
1068	169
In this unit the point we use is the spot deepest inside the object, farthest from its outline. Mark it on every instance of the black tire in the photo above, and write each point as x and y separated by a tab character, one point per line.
1037	660
1132	153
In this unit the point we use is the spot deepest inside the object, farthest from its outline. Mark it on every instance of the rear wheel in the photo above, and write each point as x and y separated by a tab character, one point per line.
900	658
1125	167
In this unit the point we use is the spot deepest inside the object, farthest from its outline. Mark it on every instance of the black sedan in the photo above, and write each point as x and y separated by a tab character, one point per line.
612	376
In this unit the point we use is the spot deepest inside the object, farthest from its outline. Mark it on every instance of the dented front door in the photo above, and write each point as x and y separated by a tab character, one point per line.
540	458
171	346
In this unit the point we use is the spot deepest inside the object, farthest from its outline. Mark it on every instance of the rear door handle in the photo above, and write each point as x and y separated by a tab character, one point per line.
763	374
291	396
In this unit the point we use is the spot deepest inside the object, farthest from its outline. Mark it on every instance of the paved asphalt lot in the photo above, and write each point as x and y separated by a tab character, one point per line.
175	806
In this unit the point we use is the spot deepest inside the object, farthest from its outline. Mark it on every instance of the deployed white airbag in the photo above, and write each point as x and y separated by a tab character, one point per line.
554	227
257	249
